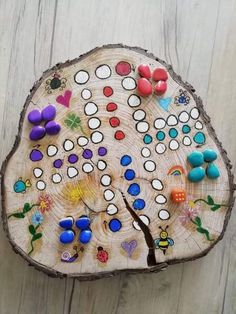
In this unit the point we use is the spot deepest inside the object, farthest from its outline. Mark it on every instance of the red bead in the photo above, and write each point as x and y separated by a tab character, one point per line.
144	71
144	87
114	122
123	68
160	88
107	91
159	74
119	135
111	106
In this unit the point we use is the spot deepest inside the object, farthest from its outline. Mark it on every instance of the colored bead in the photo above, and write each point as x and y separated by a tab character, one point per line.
144	71
139	204
178	195
82	222
159	74
115	225
129	174
73	158
147	139
49	113
160	88
57	163
209	155
119	135
36	155
102	151
52	128
173	133
144	87
67	236
85	236
123	68
87	153
107	91
212	171
134	189
114	122
125	160
196	174
195	158
35	117
111	106
160	135
186	129
66	223
199	138
37	133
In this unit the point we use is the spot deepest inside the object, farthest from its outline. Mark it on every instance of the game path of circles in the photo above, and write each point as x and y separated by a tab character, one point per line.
116	167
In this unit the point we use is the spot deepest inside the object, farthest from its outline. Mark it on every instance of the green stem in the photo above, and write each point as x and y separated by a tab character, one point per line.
32	247
201	200
34	205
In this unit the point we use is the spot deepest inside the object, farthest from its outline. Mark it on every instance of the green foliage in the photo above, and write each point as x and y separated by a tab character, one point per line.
72	121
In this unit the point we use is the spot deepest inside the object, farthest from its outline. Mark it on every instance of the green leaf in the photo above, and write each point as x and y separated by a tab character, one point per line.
210	200
37	236
198	221
200	229
26	208
72	121
215	207
204	231
32	229
18	215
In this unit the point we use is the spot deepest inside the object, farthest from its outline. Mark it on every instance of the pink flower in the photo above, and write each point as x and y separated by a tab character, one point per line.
45	202
190	211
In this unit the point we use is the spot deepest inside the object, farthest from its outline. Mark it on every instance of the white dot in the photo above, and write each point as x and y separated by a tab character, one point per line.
139	115
164	214
82	141
149	166
103	71
112	209
187	141
72	172
37	172
87	167
41	185
159	123
198	125
128	83
160	199
157	184
56	178
94	123
134	101
160	148
86	94
90	108
172	120
81	77
106	180
96	137
108	195
173	145
101	165
183	117
195	113
144	219
52	150
142	127
68	145
145	152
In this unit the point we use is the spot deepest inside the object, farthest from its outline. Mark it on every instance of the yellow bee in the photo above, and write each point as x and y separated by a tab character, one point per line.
164	241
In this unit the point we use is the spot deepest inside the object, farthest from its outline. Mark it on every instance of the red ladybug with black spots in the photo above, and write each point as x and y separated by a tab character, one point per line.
102	255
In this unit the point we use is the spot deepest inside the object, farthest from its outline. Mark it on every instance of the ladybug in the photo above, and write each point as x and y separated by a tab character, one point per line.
55	82
102	255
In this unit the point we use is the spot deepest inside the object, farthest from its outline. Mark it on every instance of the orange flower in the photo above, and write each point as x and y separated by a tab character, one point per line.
45	202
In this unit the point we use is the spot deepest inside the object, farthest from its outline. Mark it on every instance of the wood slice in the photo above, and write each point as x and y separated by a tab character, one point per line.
118	169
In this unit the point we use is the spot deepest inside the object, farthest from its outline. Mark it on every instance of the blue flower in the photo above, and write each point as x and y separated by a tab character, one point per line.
37	218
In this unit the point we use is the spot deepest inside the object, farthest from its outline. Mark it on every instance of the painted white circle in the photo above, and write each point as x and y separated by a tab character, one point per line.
68	145
56	178
164	214
198	125
87	167
195	113
128	83
145	152
160	199
159	123
149	166
173	145
106	180
144	219
142	127
96	137
90	108
187	141
103	71
41	185
72	172
134	101
94	123
112	209
81	77
157	184
37	172
139	115
160	148
108	195
86	94
101	165
172	120
52	150
183	117
82	141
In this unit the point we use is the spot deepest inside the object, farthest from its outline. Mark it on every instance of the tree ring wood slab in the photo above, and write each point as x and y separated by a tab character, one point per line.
118	159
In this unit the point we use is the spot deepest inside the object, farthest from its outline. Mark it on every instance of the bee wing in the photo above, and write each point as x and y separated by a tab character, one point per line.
157	241
170	241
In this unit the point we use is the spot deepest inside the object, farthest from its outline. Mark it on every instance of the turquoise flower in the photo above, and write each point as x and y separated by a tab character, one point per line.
37	218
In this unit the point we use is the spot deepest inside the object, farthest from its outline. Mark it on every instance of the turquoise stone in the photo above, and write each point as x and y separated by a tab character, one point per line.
199	138
212	171
160	135
173	133
196	174
209	155
195	159
147	139
186	129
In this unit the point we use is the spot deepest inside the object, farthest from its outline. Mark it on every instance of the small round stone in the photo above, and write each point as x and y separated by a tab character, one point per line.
125	160
209	155
196	174
82	141
139	204
36	155
186	129
129	174
82	222
195	159
134	189
35	117
52	128
144	87
119	135
66	223
49	113
73	158
102	151
212	171
115	225
85	236
160	135
111	107
159	74
57	163
160	88
145	152
67	236
87	154
173	133
199	138
37	133
147	139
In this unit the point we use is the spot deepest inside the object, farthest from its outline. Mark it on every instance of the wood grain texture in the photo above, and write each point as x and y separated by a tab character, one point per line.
198	39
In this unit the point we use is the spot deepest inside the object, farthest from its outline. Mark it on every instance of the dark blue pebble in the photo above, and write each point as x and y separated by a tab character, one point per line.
67	236
85	236
134	189
139	204
115	225
66	223
125	160
82	222
129	174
